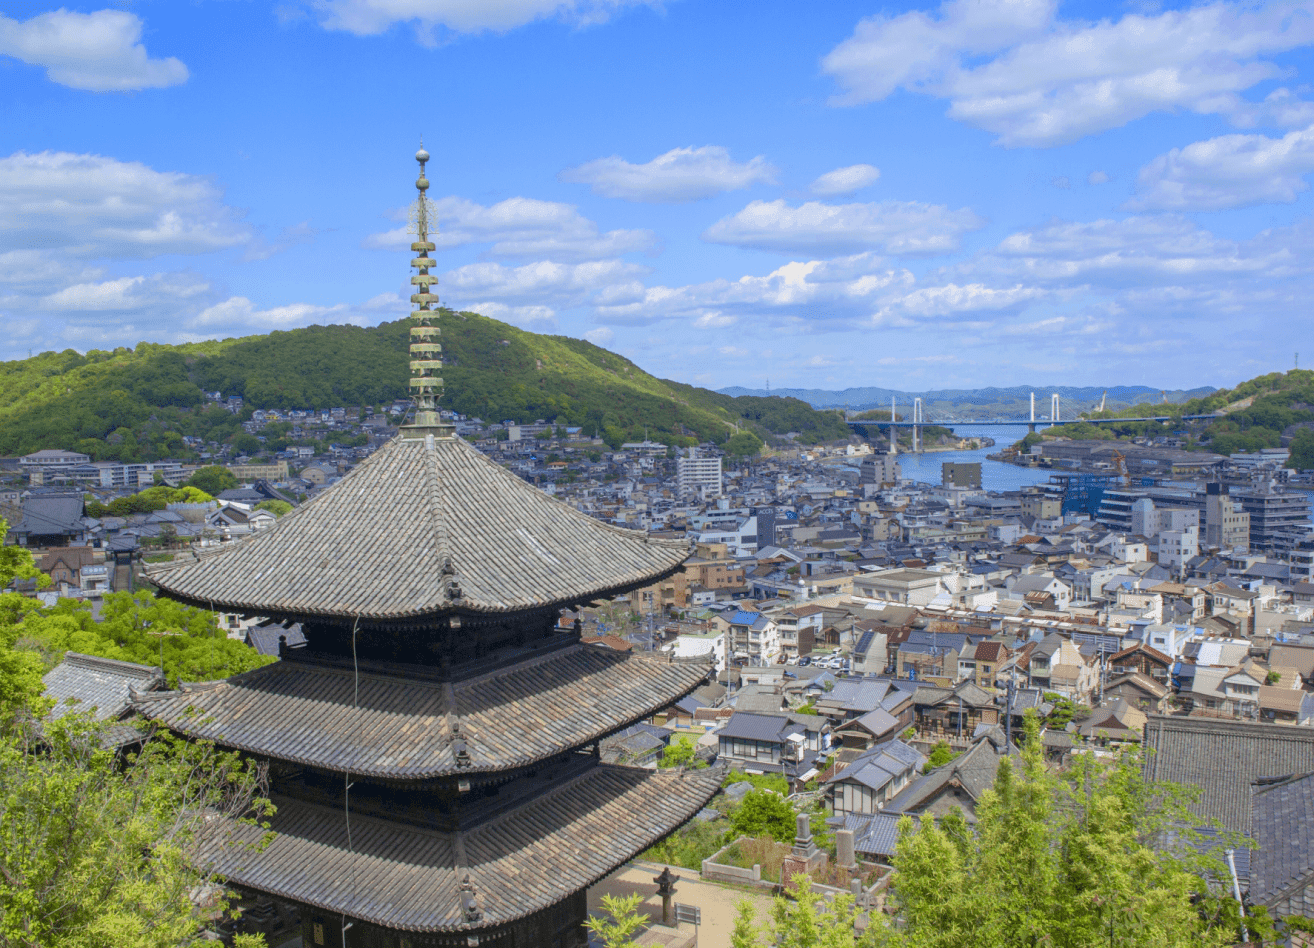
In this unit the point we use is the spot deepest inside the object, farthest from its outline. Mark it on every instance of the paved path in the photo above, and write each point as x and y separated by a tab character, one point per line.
719	903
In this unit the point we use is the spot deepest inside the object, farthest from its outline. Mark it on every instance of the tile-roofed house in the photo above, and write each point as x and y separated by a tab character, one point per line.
1282	826
873	778
103	686
785	743
51	520
875	835
1140	691
1223	758
958	783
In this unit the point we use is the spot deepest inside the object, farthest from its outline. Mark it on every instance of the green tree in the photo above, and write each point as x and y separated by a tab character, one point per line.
624	920
1302	450
276	507
743	445
940	755
1065	861
678	753
763	813
214	480
16	563
138	627
102	852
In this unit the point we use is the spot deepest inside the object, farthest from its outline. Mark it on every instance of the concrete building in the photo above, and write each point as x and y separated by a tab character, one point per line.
1227	525
1042	505
256	472
909	587
878	469
699	475
961	475
1177	547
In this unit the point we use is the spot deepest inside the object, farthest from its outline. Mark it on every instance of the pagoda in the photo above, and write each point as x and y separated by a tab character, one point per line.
433	749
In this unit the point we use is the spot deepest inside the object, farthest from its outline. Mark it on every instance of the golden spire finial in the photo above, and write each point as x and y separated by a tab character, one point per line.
426	353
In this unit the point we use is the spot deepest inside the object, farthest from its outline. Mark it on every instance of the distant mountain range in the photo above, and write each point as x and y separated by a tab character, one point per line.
965	404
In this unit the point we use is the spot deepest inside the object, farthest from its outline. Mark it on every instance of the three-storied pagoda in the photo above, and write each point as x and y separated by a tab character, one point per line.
433	749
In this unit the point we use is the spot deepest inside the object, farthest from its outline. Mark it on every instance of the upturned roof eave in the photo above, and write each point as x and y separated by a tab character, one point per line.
465	607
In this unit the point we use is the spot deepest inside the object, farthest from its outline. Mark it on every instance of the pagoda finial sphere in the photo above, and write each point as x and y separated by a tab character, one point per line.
421	155
422	183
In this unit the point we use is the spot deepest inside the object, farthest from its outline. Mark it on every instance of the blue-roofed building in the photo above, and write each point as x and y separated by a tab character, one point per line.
754	638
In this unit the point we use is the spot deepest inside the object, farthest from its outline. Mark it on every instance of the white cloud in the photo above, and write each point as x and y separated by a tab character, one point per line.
1229	171
126	294
844	181
1013	68
429	17
237	315
680	175
1097	177
600	336
822	289
540	283
521	227
1120	253
89	206
531	316
897	227
99	52
953	300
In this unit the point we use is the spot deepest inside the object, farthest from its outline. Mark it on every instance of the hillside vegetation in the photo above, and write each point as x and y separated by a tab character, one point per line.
1255	414
137	404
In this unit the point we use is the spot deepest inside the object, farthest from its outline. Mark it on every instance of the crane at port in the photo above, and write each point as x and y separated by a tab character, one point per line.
1120	465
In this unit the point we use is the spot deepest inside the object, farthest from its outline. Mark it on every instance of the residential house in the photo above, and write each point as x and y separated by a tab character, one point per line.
1140	691
953	712
800	627
753	638
1212	690
869	781
958	783
789	744
75	567
1058	665
1141	659
981	662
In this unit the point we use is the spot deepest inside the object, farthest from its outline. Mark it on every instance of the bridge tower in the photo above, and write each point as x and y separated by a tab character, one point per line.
1054	408
1032	427
894	432
917	422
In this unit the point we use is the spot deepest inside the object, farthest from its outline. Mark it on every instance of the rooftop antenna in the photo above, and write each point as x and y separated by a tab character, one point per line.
426	353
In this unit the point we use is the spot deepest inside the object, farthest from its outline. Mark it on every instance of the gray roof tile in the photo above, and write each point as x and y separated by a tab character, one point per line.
379	544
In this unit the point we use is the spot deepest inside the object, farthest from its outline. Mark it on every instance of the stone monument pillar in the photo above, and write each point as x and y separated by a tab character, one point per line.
844	855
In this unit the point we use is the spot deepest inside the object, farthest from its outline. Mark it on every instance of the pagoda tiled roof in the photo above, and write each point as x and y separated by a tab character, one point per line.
406	724
423	527
518	862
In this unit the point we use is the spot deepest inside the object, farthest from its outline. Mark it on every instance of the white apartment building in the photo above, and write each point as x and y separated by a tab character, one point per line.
1177	547
699	475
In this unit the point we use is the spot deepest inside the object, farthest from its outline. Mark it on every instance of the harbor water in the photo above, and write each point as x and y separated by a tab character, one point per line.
995	475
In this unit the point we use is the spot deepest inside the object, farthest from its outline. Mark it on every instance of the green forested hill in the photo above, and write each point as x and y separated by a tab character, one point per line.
1254	415
136	404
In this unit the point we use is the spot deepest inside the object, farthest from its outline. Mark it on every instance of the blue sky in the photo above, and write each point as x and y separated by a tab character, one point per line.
816	194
